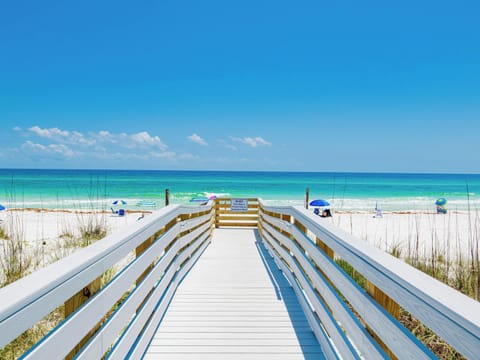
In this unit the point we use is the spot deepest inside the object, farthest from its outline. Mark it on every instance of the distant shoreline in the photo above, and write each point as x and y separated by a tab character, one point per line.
97	189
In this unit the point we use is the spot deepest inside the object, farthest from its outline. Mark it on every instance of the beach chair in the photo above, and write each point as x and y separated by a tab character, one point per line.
378	213
114	212
441	209
121	212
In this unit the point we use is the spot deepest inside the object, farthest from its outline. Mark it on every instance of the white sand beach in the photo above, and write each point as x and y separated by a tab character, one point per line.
426	231
48	225
415	233
48	235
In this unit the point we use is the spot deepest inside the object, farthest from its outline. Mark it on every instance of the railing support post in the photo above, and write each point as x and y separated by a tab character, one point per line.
72	304
217	215
139	250
167	197
324	247
388	304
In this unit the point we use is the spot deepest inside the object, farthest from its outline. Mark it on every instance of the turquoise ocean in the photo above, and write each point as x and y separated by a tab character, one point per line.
83	189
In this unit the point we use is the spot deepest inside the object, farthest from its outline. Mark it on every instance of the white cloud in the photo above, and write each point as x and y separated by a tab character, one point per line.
144	139
52	151
252	141
188	156
56	143
49	133
17	128
197	139
231	147
163	155
228	145
62	136
141	140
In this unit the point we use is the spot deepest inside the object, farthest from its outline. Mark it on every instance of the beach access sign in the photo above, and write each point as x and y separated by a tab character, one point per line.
239	205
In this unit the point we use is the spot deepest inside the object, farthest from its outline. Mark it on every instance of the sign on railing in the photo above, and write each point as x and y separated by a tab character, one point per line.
235	212
239	205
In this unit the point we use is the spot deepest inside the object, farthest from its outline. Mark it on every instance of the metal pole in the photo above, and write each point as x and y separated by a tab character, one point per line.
307	195
167	197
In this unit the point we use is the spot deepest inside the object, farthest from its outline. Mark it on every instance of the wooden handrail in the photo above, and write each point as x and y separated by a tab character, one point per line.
172	245
122	315
450	314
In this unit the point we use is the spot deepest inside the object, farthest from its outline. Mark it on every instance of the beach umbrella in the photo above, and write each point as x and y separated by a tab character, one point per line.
119	202
2	207
212	197
319	202
441	202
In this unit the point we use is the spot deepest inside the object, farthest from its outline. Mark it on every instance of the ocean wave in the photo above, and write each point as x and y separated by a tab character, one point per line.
353	204
387	204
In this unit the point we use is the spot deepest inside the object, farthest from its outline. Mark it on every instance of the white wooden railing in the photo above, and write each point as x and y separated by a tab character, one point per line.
120	318
349	321
117	319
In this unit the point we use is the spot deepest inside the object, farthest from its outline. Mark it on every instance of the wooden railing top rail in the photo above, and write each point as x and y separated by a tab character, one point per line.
28	300
452	315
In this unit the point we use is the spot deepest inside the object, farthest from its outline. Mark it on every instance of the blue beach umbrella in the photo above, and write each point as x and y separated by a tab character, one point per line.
119	202
319	202
441	202
2	207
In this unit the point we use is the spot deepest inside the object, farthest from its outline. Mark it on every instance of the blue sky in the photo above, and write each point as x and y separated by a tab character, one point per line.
241	85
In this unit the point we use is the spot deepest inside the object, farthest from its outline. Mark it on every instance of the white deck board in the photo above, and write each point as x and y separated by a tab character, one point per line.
234	304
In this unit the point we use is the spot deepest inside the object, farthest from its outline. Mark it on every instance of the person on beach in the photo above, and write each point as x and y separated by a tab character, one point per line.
326	213
441	209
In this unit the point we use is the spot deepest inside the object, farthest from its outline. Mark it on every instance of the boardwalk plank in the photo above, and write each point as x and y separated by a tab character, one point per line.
234	305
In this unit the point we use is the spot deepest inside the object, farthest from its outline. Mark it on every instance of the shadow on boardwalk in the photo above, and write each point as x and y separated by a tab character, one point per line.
285	292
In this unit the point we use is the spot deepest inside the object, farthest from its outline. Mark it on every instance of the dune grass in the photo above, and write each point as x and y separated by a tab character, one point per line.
441	256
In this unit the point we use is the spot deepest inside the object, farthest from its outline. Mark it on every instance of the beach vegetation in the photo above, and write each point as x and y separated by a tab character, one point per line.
3	233
29	338
15	259
440	254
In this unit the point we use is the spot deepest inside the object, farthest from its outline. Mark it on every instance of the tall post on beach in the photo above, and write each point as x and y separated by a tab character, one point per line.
307	195
167	197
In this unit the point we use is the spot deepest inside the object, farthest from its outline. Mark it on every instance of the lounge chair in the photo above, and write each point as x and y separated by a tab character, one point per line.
441	209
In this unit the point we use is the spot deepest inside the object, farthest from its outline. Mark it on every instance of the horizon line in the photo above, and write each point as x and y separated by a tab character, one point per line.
250	171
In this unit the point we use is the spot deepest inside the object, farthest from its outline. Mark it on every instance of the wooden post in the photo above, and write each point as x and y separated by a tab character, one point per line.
388	304
72	304
217	215
167	197
287	218
300	226
139	250
307	196
324	247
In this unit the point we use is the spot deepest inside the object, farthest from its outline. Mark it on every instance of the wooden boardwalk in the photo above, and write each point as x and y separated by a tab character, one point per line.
234	304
